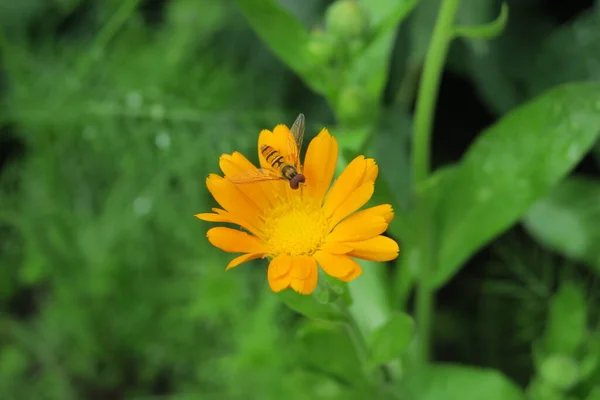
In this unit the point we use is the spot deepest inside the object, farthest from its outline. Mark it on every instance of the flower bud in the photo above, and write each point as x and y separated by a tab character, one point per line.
560	371
347	19
321	46
353	105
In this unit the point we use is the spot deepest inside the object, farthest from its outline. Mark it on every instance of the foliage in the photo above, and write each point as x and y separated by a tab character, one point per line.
114	112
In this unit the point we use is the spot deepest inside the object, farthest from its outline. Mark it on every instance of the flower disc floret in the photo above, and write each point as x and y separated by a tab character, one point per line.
295	228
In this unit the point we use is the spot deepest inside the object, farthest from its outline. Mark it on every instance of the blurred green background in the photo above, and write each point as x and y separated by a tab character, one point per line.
112	114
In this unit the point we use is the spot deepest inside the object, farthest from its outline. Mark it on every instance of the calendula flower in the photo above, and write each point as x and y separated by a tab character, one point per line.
300	229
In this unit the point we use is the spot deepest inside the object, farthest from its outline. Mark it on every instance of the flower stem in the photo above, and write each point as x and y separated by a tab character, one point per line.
408	86
424	115
362	349
429	87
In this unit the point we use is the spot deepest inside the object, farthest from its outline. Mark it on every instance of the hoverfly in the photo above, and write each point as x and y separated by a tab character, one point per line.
282	168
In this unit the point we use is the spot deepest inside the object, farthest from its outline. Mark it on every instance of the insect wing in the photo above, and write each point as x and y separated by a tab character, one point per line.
295	146
298	130
255	175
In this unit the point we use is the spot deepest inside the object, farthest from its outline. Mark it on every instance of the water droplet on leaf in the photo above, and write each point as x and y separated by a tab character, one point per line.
484	194
134	99
157	111
488	167
163	140
142	205
89	132
573	152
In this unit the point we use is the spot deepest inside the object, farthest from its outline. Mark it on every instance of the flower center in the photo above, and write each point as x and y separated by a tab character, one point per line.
295	227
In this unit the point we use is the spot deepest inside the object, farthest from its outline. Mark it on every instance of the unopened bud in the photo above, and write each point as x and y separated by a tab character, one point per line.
321	46
347	19
560	371
353	105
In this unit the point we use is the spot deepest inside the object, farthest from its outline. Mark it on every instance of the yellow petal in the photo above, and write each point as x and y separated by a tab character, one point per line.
277	285
319	164
384	210
234	241
371	171
353	202
355	229
210	217
301	267
243	258
236	164
278	275
335	265
234	201
280	266
379	248
356	272
336	248
226	217
348	182
307	266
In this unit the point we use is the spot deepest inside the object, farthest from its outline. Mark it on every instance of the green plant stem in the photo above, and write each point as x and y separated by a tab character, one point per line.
406	91
425	293
424	115
361	347
429	87
358	340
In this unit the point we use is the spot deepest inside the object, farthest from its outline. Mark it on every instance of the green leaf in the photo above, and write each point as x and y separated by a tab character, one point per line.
411	252
454	382
389	341
510	166
538	389
591	358
568	220
313	306
387	14
285	35
422	22
567	321
487	30
338	291
329	350
594	394
350	141
570	53
391	149
499	67
13	361
371	307
371	66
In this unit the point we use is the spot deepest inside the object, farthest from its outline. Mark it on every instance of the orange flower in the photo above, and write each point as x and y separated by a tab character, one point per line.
301	228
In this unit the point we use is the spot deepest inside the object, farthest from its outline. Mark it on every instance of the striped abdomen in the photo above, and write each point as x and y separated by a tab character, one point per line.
278	162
